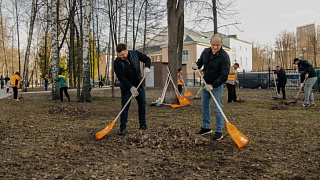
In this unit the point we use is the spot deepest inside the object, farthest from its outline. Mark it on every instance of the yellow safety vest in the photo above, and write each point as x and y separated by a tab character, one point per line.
179	81
232	77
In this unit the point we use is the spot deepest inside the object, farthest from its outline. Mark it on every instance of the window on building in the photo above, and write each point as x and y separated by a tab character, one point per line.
240	48
246	61
185	55
159	59
240	61
246	49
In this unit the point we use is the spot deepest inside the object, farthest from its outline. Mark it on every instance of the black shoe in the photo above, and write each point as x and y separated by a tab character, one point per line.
122	132
204	131
217	136
284	98
143	127
68	100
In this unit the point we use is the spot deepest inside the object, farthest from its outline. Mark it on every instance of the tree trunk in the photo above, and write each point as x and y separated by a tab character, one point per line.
17	19
72	34
133	24
85	95
126	29
175	14
215	21
145	26
26	63
3	41
55	49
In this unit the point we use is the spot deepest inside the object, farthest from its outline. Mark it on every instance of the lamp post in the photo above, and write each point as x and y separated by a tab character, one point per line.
302	54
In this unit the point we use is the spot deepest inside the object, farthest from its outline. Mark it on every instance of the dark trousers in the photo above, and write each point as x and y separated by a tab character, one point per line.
46	86
141	100
7	90
100	84
180	88
65	89
15	93
281	86
231	93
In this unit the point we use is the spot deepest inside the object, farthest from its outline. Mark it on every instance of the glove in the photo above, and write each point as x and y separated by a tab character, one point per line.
306	76
147	71
208	87
134	91
237	81
194	66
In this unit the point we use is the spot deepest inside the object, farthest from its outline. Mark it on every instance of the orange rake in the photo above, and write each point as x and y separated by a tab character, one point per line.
183	101
240	139
186	92
106	130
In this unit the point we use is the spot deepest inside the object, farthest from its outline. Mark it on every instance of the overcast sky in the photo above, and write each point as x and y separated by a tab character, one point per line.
262	20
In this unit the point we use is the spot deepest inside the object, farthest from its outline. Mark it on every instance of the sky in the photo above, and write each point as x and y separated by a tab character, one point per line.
262	20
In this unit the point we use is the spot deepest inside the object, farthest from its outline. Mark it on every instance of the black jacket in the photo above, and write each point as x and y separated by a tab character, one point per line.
134	57
215	70
282	77
304	68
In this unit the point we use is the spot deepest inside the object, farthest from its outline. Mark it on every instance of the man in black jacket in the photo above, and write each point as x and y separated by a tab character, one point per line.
281	81
216	64
306	68
127	69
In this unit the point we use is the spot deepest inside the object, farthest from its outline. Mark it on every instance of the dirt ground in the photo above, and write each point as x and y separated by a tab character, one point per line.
45	139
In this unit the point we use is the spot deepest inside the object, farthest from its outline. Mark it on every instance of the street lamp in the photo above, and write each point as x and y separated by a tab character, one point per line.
302	54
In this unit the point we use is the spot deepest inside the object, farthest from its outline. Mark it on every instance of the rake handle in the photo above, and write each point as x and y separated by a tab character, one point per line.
129	99
301	86
214	99
173	82
275	84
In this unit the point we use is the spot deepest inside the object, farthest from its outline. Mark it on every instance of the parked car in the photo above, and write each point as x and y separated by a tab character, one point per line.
258	80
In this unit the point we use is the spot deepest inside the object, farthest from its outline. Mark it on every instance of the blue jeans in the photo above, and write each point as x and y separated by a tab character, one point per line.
141	100
206	112
46	87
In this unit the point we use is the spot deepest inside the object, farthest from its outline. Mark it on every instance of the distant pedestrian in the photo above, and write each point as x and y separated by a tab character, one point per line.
101	79
2	81
6	79
63	86
180	80
8	85
306	68
46	81
91	84
281	81
15	84
232	78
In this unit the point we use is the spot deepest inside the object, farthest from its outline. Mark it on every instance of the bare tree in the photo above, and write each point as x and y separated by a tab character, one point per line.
3	40
285	49
55	48
34	10
85	95
175	42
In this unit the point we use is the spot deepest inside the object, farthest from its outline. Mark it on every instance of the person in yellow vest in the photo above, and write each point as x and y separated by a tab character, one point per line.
232	77
15	84
180	80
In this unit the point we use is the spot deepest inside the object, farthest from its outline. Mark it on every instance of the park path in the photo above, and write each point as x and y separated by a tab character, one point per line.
4	94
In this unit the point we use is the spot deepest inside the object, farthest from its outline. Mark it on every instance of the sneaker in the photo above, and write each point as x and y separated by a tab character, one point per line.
284	98
231	102
312	105
305	105
204	131
217	136
122	132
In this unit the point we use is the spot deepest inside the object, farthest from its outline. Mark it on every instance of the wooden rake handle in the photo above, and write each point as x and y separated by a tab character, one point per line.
305	79
129	99
214	99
